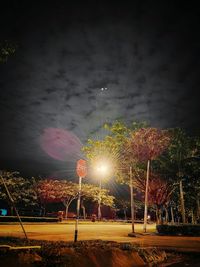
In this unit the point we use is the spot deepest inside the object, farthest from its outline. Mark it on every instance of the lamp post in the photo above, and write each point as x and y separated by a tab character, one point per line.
102	169
99	201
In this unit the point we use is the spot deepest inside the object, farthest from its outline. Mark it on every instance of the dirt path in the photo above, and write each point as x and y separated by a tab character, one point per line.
108	231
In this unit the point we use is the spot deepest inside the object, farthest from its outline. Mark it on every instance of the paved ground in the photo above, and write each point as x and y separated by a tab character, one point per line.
104	231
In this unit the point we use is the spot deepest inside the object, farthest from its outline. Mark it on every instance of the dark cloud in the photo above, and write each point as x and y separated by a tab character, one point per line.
145	57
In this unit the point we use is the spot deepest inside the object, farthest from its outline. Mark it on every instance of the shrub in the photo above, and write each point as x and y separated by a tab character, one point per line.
182	229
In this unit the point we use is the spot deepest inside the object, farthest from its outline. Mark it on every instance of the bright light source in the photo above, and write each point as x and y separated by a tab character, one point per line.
102	168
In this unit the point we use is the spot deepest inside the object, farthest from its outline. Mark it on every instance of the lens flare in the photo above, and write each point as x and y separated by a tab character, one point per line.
61	144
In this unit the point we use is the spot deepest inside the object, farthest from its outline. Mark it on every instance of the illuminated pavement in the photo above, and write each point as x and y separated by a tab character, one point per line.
104	231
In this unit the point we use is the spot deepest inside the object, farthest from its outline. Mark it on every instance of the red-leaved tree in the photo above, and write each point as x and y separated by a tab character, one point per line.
58	191
66	192
145	145
159	193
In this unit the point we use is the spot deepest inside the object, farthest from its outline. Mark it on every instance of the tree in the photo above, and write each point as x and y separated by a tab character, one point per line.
124	205
6	49
112	149
191	181
94	193
66	192
106	199
58	191
179	165
145	145
21	190
159	193
107	150
182	148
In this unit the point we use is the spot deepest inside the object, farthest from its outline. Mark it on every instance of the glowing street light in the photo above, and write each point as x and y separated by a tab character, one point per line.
104	168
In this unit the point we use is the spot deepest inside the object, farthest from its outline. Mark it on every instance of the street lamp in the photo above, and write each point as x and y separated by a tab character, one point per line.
102	169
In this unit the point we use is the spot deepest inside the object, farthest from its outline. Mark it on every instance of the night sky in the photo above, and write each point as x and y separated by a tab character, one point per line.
80	65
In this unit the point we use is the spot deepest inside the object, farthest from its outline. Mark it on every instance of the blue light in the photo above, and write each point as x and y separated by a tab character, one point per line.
3	212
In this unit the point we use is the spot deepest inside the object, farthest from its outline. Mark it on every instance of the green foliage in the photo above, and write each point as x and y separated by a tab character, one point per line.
112	150
6	50
181	148
191	182
180	162
21	189
93	193
65	192
172	154
122	203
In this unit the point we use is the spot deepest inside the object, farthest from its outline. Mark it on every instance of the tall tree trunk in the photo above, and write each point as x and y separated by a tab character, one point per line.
166	215
66	210
125	217
84	214
132	200
99	202
157	215
172	214
160	216
182	201
83	209
195	218
40	212
146	197
99	209
11	210
192	214
44	210
198	207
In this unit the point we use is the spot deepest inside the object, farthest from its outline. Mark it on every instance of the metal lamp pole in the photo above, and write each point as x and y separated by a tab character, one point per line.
99	201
